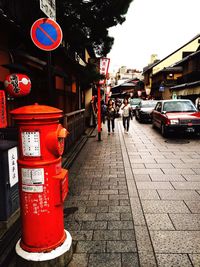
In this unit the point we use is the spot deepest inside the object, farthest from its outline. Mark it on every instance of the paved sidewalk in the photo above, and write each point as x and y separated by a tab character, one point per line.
134	201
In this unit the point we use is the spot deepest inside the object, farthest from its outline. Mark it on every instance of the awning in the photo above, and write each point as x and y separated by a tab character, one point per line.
192	88
188	91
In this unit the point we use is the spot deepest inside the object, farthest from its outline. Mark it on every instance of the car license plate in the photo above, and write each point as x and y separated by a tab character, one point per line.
190	130
189	124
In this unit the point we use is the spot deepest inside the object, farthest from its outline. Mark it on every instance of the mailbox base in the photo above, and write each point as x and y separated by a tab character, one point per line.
60	256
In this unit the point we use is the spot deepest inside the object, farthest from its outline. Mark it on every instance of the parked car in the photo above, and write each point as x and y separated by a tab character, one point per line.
134	102
144	109
176	115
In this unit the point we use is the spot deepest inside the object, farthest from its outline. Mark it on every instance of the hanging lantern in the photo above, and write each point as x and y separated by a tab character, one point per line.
17	85
148	90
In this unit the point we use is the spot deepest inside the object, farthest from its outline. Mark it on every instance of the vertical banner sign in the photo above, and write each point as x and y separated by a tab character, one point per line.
49	8
103	69
3	115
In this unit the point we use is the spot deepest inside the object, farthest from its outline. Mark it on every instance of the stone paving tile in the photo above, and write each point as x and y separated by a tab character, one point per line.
134	160
104	260
178	171
108	216
167	177
137	213
176	241
113	202
98	209
159	166
111	197
126	216
132	188
159	222
173	260
148	194
91	247
164	160
154	185
101	187
143	239
197	171
90	192
120	225
178	194
192	178
186	165
195	258
164	206
193	206
94	225
85	217
72	225
130	260
79	260
127	235
81	235
147	259
186	221
146	171
186	185
142	177
121	246
124	202
98	197
120	209
106	235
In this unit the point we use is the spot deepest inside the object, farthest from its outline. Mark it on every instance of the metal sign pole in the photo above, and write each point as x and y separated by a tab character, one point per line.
99	111
50	98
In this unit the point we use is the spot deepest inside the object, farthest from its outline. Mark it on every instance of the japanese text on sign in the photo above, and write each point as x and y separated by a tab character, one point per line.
12	162
103	67
49	8
31	144
32	176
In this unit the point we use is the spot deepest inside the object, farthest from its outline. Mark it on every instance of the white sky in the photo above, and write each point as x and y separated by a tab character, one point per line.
153	27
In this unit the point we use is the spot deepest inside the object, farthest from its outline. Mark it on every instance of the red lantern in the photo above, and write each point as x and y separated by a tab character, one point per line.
17	85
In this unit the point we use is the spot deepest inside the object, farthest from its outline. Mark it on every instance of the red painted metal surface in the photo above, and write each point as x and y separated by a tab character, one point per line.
3	113
42	181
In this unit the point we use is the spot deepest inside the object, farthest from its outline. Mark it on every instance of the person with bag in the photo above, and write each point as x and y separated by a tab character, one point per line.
110	114
126	115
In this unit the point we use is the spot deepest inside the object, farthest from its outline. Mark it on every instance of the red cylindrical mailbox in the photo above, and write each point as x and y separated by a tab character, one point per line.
43	183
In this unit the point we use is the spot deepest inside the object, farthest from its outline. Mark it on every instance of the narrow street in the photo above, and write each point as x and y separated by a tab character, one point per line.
134	200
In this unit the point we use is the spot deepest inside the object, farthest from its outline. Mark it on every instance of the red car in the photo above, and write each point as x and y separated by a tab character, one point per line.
176	115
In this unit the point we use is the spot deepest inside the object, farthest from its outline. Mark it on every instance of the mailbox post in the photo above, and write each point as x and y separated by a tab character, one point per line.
43	185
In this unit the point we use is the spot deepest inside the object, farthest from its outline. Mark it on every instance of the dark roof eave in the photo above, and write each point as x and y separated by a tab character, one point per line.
185	85
170	70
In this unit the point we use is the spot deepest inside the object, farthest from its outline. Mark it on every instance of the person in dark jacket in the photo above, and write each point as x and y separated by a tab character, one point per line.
111	112
103	111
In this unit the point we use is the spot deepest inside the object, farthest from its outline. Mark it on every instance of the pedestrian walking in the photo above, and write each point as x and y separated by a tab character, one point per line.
103	111
197	102
110	114
126	115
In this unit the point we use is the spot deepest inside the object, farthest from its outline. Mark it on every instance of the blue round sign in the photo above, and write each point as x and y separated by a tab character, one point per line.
46	34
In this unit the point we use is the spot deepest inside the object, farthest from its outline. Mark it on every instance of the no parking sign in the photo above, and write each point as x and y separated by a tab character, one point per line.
46	34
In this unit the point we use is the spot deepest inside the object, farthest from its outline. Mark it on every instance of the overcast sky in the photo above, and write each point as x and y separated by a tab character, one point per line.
153	27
